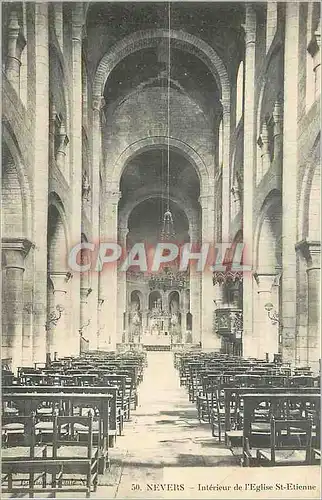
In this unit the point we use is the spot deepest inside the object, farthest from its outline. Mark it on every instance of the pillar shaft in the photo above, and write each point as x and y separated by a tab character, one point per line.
266	331
249	169
76	150
40	174
98	102
108	276
195	289
290	158
209	340
312	347
58	340
85	315
16	43
121	284
14	252
226	172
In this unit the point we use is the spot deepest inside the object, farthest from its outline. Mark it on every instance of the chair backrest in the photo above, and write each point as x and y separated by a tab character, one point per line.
290	434
18	422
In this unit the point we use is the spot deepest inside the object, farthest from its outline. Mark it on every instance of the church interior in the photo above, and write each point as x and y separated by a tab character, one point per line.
135	124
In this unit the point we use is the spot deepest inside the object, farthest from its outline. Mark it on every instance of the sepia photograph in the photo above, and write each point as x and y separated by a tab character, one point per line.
160	249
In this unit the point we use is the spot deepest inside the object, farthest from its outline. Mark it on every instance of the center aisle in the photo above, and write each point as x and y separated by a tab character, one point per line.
164	432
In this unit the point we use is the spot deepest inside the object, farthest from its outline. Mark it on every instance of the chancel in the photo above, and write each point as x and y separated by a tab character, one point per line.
136	136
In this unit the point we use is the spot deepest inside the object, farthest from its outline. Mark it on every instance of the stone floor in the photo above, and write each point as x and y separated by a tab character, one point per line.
164	432
166	453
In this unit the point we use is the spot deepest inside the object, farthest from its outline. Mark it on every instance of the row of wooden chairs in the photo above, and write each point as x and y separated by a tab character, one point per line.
49	464
87	417
223	387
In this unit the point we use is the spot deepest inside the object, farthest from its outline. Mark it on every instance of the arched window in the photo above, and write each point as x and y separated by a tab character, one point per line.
240	92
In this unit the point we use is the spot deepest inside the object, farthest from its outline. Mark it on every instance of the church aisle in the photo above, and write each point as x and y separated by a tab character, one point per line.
164	432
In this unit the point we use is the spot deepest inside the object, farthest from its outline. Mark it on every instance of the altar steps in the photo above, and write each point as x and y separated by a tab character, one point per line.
159	347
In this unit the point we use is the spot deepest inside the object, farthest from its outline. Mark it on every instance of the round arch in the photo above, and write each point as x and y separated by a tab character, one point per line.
126	210
267	248
154	296
148	38
137	296
64	83
158	141
21	178
58	236
274	52
310	184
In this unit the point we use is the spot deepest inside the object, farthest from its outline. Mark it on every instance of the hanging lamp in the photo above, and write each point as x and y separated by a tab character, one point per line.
167	230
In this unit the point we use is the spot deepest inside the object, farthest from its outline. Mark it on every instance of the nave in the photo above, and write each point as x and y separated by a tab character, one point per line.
170	417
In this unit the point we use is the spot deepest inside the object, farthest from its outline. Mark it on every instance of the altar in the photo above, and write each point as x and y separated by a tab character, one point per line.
149	339
158	312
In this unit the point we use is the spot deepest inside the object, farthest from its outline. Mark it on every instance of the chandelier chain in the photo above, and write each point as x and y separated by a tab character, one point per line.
168	107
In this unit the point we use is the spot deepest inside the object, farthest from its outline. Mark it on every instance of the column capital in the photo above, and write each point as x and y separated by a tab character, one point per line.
122	233
265	281
98	102
225	107
113	196
84	292
311	251
203	200
100	302
15	251
78	22
60	280
15	36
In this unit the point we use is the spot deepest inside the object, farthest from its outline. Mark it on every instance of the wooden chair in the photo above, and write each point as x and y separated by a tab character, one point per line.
291	443
60	462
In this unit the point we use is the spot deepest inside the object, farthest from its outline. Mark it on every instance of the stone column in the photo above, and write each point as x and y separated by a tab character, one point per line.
76	151
278	130
58	334
195	290
226	172
145	313
207	306
289	187
263	142
108	276
311	250
314	49
218	294
101	324
14	251
16	44
98	103
265	331
121	284
59	23
85	314
40	175
249	173
219	303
